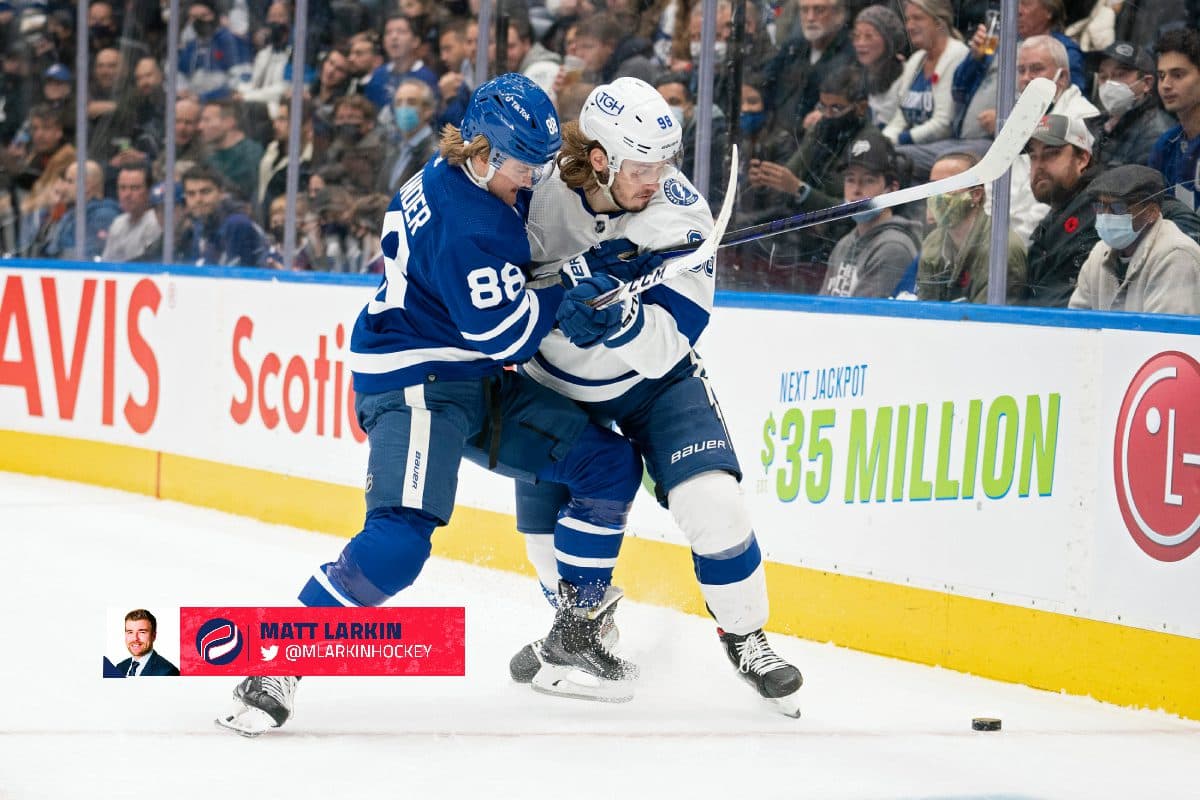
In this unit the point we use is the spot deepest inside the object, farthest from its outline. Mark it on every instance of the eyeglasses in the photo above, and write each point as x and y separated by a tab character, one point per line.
835	110
1118	207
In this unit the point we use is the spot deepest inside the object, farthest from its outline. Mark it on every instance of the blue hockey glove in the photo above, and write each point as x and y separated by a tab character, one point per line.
606	258
586	326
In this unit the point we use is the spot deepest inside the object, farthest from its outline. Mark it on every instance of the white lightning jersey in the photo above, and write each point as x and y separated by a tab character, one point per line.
562	225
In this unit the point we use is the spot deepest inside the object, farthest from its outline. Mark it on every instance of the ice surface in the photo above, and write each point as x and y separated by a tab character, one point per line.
872	727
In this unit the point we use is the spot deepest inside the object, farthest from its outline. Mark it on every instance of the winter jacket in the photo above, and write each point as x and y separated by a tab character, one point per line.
947	272
227	238
101	212
1060	244
1132	138
791	84
1162	276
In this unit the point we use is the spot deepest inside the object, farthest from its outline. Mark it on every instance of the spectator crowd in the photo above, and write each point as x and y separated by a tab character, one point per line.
833	101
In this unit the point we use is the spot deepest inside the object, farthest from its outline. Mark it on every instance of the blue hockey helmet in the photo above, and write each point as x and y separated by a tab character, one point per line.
517	118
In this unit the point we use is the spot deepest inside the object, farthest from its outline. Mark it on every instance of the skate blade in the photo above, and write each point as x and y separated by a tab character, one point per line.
788	706
579	685
246	721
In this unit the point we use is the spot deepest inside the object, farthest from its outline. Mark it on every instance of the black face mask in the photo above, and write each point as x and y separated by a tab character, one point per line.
334	230
347	132
277	234
279	35
204	28
831	128
102	33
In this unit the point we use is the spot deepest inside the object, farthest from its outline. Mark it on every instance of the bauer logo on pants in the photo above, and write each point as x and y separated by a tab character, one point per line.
322	641
1156	457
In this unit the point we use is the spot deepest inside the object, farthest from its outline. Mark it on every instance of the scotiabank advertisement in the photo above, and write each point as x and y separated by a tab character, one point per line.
1055	468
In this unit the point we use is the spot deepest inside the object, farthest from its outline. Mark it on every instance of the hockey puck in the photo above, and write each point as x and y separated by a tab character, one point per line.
985	724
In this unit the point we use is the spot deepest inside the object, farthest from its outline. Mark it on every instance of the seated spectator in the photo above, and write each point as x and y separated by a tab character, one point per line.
103	88
870	260
363	57
1046	18
136	230
523	54
214	62
954	261
456	82
98	215
1144	22
144	108
1060	156
327	231
812	179
1175	152
413	108
400	45
43	205
610	52
47	136
358	145
366	220
926	109
1041	57
1131	121
792	78
674	88
333	83
277	219
189	144
272	168
58	88
267	82
216	231
1143	262
232	153
881	47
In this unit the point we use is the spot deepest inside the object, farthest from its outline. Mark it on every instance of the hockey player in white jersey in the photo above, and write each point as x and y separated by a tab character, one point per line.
636	366
428	357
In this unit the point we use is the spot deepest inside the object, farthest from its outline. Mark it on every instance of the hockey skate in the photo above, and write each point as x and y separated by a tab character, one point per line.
773	678
573	659
262	703
525	664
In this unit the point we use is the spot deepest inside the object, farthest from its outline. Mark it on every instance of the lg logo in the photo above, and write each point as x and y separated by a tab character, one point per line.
1156	457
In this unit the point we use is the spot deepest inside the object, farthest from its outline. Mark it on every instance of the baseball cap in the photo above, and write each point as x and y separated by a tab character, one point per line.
1134	182
58	72
1058	129
872	151
1124	53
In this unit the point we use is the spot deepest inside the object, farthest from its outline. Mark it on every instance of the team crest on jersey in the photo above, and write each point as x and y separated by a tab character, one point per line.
679	194
709	267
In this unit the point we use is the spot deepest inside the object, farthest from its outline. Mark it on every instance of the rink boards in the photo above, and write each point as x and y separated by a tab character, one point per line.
1010	494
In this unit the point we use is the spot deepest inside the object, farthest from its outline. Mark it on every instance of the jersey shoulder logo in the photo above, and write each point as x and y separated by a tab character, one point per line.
678	193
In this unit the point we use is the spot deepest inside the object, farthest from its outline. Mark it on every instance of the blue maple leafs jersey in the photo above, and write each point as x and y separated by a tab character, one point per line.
561	224
452	304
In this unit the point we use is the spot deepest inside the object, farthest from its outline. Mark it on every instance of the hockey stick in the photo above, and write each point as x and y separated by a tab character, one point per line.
689	258
1026	114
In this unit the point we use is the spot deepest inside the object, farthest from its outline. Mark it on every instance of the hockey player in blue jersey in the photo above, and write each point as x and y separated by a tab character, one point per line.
617	178
428	355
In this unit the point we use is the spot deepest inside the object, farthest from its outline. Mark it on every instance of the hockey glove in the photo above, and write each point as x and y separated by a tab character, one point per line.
586	327
617	257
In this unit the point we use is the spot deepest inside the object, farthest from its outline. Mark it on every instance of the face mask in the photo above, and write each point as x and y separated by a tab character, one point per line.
718	50
949	209
863	217
101	33
677	113
1116	230
407	118
1116	97
277	234
830	128
205	28
347	131
751	122
279	34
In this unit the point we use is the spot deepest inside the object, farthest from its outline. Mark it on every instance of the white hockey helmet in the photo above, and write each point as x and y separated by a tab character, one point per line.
631	120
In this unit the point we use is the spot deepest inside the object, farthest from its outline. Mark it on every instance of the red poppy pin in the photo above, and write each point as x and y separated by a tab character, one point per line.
1071	225
933	80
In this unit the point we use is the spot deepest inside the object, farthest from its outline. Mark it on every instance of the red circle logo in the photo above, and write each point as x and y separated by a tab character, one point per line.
1156	457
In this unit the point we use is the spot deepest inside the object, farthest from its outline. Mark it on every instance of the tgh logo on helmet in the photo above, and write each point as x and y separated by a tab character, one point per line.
609	104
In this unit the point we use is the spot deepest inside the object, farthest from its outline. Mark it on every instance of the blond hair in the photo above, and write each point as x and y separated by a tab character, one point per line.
456	151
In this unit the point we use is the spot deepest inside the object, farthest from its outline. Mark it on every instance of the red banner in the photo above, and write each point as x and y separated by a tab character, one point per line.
322	641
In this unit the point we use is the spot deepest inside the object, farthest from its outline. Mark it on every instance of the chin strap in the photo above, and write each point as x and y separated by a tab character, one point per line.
606	186
481	182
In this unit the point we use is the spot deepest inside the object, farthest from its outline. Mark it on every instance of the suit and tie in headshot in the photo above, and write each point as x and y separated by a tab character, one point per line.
141	629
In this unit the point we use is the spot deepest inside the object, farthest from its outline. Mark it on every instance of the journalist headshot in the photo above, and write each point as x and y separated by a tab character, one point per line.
141	628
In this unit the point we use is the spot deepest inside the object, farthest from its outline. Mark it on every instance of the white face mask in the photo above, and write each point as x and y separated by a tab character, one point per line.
1116	97
677	113
718	51
1116	230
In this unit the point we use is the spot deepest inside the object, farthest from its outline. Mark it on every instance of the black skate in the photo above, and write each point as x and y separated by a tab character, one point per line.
773	678
574	661
525	664
263	703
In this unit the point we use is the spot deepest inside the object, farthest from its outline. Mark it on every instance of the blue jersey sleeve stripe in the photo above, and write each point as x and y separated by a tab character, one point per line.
690	319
